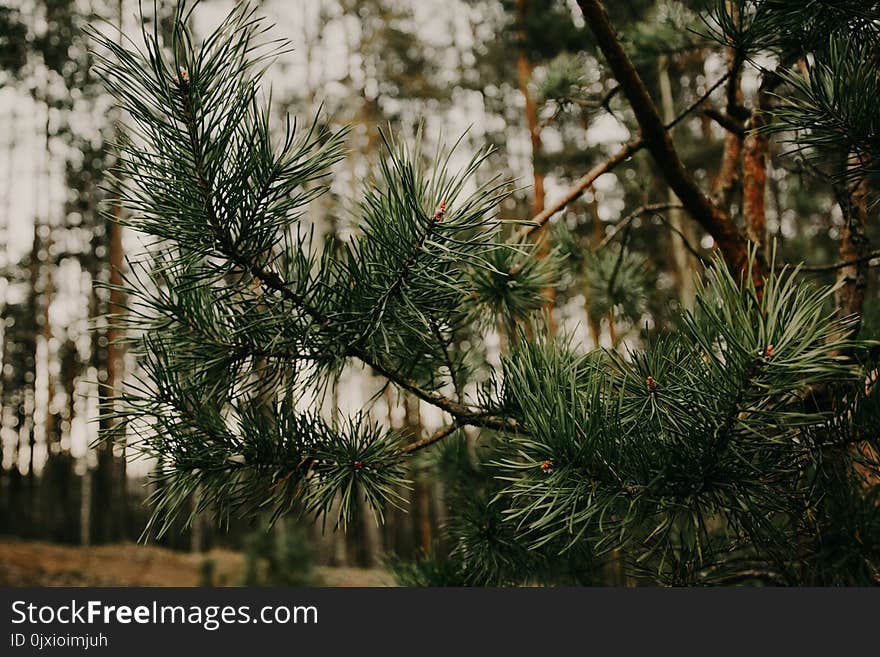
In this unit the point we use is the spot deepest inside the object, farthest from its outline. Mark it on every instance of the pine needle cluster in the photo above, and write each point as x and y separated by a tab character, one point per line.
743	448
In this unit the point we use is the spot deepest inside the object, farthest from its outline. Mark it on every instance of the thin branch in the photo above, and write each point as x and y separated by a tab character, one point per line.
726	121
580	186
605	101
699	101
585	104
658	142
638	212
586	181
435	437
821	269
613	279
699	256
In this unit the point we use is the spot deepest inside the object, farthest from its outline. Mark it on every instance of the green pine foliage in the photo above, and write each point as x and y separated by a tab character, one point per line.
827	114
279	556
617	283
240	318
835	99
740	449
698	458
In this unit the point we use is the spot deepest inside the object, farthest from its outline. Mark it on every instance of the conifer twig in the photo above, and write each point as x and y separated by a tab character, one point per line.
653	208
435	437
607	166
658	142
272	281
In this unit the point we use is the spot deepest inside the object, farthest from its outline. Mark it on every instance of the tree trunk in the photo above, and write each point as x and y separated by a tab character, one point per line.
524	75
596	237
725	187
684	261
421	498
854	246
85	504
755	163
755	185
49	419
658	142
28	427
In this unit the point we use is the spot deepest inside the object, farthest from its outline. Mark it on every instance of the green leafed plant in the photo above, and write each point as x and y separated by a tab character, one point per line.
741	448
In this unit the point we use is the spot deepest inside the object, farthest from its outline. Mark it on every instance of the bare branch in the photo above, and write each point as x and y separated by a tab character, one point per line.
657	140
435	437
581	185
699	101
586	181
639	212
726	121
684	240
824	269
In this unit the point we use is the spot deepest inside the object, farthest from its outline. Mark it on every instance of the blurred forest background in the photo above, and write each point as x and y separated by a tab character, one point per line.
522	75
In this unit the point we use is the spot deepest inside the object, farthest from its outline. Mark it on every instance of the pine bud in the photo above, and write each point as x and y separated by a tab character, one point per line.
514	270
440	211
184	76
546	465
769	351
651	383
358	465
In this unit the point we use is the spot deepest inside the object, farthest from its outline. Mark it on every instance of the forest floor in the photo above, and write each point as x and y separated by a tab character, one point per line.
32	563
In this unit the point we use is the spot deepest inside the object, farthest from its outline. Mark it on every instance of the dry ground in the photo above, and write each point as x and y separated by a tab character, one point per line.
31	563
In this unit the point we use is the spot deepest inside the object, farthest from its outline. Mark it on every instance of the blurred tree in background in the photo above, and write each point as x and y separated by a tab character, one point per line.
46	361
278	557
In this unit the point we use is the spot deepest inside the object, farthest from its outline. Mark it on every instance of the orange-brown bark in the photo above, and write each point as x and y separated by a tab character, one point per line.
755	159
729	173
524	76
714	220
854	246
755	184
850	298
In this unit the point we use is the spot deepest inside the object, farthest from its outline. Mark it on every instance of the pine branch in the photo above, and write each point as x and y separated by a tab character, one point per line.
586	181
726	121
462	413
210	163
435	437
654	208
273	282
659	143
